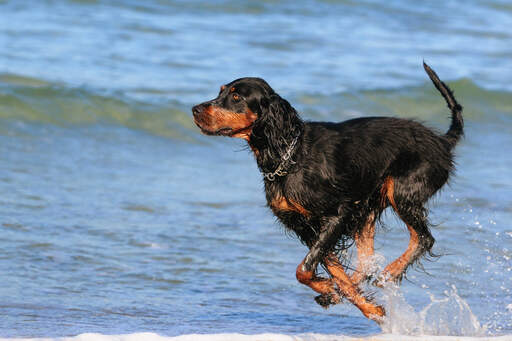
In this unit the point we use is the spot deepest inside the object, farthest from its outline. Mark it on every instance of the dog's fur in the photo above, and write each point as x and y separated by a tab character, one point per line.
330	182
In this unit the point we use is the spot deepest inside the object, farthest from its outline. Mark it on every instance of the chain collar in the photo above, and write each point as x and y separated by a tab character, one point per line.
285	159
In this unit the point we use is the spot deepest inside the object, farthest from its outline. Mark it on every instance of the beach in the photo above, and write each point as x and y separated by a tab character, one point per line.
118	217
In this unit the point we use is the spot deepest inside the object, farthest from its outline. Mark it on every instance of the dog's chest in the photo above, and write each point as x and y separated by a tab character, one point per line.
283	205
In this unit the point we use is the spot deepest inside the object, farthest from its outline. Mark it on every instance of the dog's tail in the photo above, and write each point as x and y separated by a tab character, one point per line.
456	130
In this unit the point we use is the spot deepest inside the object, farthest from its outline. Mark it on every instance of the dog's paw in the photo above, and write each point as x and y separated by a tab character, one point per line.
326	300
385	278
377	314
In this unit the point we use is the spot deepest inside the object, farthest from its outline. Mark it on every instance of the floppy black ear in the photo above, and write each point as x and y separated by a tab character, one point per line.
276	126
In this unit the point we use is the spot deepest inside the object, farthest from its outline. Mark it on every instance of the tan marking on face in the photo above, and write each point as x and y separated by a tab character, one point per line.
216	118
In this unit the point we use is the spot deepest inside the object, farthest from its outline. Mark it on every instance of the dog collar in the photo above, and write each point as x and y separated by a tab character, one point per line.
285	159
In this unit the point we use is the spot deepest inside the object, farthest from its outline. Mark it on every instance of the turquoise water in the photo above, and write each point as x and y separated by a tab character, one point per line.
118	217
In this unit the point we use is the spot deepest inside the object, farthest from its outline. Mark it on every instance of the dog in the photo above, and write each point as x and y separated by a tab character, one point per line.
330	182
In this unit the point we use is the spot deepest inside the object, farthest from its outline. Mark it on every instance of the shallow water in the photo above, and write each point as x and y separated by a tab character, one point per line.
118	217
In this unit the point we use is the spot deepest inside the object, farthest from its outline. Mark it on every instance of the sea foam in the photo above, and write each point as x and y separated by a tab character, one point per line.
264	337
446	316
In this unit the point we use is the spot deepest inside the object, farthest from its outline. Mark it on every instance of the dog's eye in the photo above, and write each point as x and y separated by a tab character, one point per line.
236	97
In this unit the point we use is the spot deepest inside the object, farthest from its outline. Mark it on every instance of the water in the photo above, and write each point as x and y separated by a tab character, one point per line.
117	217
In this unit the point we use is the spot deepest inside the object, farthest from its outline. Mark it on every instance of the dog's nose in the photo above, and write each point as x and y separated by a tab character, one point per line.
196	110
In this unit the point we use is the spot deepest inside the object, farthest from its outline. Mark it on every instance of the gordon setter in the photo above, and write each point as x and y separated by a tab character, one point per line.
330	182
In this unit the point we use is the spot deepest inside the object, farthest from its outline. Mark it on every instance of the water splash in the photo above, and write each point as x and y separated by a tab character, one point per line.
450	315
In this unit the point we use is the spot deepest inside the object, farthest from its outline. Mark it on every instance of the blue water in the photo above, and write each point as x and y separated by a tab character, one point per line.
117	216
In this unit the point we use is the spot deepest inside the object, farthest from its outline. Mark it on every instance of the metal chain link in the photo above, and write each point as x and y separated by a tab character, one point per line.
271	176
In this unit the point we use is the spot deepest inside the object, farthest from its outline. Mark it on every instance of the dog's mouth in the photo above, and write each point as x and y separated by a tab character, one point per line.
226	131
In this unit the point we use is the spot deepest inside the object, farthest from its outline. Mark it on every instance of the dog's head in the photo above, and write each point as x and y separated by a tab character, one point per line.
235	110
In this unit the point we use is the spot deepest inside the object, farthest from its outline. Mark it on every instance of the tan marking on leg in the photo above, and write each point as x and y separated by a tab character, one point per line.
351	292
323	286
387	191
318	284
365	249
396	269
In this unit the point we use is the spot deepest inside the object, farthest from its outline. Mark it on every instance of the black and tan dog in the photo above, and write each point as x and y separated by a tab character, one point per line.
330	182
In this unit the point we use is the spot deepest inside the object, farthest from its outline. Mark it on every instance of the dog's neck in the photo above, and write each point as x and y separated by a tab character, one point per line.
285	164
277	154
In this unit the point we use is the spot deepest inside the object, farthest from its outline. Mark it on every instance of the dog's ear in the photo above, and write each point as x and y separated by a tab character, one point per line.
277	122
270	119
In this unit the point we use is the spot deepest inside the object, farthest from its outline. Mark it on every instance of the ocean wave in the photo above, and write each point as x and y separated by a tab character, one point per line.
418	102
38	101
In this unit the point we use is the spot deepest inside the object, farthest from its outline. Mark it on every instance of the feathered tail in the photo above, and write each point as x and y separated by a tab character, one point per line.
456	129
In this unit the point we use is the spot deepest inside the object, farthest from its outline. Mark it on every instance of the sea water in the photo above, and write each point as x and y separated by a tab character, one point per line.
119	221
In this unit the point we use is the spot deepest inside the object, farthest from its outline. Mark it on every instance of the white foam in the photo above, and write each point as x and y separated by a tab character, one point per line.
263	337
450	315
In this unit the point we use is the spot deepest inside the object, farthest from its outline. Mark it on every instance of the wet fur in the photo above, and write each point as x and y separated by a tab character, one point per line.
340	174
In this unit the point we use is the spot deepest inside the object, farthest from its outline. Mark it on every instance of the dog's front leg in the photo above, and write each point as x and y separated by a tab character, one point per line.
306	271
320	251
351	291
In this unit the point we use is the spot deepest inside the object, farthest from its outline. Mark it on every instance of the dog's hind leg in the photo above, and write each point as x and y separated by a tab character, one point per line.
413	215
364	242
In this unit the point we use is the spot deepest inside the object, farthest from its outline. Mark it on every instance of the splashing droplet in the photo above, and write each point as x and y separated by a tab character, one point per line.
450	315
